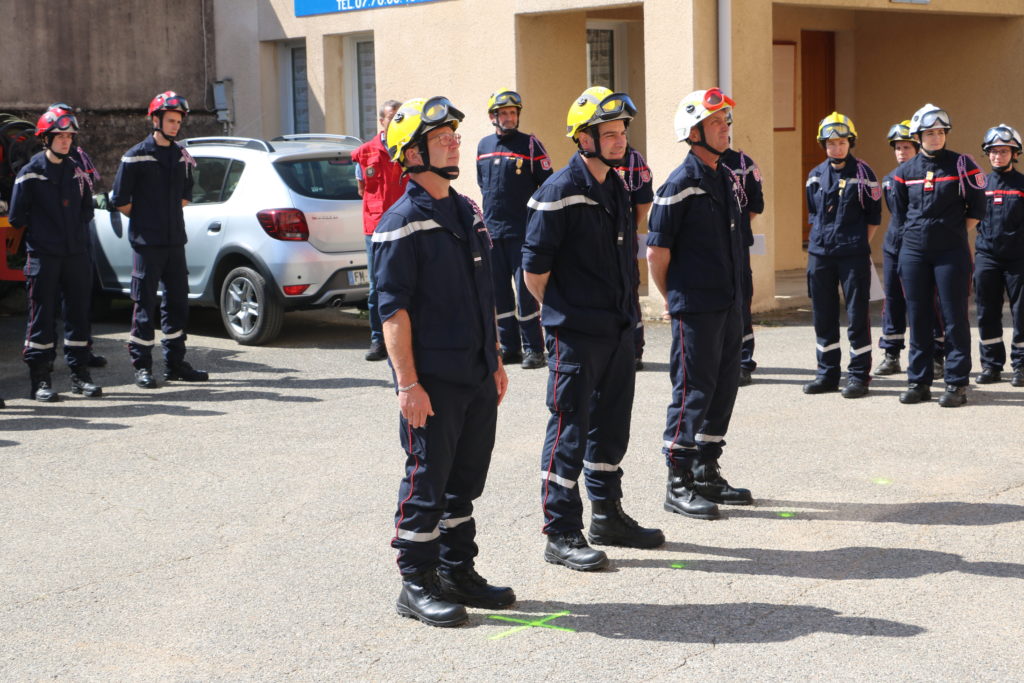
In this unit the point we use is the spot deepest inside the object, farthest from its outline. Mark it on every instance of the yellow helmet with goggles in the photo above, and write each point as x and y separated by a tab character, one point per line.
504	98
413	120
596	105
900	132
836	125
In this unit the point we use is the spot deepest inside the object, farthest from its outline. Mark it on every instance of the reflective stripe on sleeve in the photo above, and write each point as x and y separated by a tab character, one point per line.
560	204
405	231
678	196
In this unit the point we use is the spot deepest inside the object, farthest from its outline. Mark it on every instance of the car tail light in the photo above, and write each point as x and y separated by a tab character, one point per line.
284	224
294	290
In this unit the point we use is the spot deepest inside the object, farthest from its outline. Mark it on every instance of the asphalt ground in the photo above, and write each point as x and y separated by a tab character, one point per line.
239	529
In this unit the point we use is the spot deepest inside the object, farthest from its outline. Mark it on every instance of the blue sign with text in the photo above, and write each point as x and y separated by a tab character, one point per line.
306	8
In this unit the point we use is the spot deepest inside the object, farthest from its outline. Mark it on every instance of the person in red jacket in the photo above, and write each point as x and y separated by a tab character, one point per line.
381	183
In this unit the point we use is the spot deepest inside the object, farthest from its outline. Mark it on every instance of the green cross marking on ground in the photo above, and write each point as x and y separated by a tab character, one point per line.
678	565
539	623
787	515
882	481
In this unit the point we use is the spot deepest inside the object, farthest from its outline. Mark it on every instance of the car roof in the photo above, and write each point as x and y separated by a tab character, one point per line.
297	146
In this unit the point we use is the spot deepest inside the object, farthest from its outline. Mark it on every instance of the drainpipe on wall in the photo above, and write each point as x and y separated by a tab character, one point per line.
725	46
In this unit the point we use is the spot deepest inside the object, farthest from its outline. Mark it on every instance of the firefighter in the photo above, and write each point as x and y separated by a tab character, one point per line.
939	199
844	207
510	166
999	257
52	201
153	185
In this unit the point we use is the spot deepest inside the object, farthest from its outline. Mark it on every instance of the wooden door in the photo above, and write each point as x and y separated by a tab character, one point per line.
818	99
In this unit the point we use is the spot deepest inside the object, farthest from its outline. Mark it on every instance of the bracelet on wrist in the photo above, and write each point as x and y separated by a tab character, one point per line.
408	386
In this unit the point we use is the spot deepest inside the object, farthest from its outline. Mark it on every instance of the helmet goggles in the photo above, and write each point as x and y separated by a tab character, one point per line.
899	131
438	110
936	118
997	135
507	98
715	99
177	102
612	107
65	123
835	130
1001	135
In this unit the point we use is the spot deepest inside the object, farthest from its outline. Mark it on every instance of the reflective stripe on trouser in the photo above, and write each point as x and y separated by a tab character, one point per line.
49	281
154	266
445	468
992	277
590	396
518	312
747	361
948	271
825	274
705	368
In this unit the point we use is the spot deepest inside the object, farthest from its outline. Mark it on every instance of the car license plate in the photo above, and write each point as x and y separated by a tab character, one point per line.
358	277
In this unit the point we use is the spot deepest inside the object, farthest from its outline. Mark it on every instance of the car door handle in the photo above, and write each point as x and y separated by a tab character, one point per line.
213	227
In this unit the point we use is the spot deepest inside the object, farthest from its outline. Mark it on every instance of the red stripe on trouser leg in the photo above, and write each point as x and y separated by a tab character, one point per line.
412	487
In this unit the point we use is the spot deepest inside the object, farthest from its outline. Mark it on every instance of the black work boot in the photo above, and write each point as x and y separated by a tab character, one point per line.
533	360
855	388
710	485
420	599
510	357
571	549
184	372
820	385
746	378
144	378
81	383
377	351
990	376
1018	378
916	393
42	387
466	587
609	525
953	397
682	498
890	365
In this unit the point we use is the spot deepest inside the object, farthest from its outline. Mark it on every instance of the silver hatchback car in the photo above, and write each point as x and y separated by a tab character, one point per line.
273	226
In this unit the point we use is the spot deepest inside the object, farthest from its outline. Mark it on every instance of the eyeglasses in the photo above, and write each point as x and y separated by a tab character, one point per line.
933	117
613	105
446	140
836	130
438	110
715	99
508	98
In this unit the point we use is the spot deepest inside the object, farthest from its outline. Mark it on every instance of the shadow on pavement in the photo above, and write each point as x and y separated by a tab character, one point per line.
853	563
743	622
955	513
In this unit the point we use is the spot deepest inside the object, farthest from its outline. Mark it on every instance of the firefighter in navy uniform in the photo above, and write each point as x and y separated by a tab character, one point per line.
579	258
844	207
153	184
894	306
52	201
436	298
750	175
510	166
695	252
939	197
999	257
636	174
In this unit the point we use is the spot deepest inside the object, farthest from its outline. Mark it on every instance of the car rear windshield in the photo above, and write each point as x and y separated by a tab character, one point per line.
327	178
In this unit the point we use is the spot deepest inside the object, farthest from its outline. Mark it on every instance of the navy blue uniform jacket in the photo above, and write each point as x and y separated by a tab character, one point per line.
750	177
930	204
1001	232
506	192
697	216
840	207
894	232
582	232
437	266
154	180
53	201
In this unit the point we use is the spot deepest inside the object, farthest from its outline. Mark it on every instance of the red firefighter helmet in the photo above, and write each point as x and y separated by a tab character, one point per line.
168	101
57	119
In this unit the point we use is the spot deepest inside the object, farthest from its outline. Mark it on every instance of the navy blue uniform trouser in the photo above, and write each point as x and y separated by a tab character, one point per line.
948	271
49	279
747	361
825	274
894	312
376	330
518	323
446	465
992	277
705	370
590	396
153	267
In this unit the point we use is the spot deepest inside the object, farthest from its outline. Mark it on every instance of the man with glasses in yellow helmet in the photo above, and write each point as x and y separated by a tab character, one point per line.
939	197
894	305
436	300
510	166
579	260
999	257
695	253
844	207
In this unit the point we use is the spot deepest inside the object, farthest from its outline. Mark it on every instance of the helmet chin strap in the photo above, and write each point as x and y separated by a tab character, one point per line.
446	172
596	154
160	129
839	162
502	130
703	142
48	145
